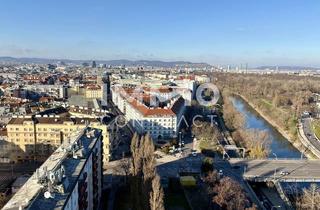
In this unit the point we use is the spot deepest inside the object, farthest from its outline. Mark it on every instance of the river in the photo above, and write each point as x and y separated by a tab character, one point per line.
280	147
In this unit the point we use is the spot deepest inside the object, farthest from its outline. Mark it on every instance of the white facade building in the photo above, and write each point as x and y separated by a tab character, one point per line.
159	122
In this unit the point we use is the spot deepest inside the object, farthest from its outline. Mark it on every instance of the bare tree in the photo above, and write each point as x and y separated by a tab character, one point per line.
136	154
136	172
310	199
143	171
212	178
206	131
124	168
257	142
230	195
148	168
156	195
148	158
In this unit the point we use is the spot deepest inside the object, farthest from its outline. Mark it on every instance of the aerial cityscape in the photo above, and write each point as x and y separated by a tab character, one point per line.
160	105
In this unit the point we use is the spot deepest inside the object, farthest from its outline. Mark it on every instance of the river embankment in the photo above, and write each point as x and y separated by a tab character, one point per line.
295	143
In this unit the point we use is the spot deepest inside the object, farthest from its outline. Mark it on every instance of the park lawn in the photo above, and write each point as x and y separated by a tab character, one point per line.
316	128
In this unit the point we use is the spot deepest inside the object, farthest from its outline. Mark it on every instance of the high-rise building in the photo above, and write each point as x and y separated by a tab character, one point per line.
94	64
71	178
105	90
63	92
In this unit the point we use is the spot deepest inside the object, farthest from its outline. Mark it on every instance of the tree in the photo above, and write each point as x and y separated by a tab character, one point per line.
230	195
156	195
207	133
310	199
276	100
143	171
232	117
136	155
148	158
136	172
124	168
134	143
4	199
212	178
257	142
207	165
148	168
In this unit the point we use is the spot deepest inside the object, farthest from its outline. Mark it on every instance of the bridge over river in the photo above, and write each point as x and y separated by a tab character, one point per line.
283	170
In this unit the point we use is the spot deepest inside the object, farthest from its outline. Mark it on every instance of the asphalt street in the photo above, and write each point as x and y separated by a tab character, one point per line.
307	128
286	170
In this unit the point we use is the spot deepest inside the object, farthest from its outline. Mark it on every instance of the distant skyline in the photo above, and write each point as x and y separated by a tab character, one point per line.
273	32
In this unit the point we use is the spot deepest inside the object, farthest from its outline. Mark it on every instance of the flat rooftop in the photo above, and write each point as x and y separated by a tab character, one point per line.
31	195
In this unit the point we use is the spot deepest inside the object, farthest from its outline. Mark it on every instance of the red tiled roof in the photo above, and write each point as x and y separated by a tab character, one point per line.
190	77
145	111
45	99
93	87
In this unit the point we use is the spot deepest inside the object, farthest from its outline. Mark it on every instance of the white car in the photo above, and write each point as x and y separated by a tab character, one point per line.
220	173
194	153
283	173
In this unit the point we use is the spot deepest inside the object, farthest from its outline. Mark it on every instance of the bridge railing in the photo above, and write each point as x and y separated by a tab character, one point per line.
283	195
248	159
278	178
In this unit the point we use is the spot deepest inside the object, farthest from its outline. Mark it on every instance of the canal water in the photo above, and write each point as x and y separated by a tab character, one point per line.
280	147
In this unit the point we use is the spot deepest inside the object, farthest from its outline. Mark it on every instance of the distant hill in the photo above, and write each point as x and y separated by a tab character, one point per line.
154	63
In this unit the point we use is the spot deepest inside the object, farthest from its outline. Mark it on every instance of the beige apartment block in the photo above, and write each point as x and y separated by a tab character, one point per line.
35	138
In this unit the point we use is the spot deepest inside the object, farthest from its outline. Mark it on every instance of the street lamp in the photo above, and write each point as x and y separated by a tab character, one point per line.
180	143
275	155
302	152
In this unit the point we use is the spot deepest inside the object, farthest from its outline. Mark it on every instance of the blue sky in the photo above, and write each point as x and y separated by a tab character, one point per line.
258	32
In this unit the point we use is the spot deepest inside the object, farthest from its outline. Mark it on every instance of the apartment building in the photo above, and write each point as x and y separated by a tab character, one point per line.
71	178
161	120
94	91
35	138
